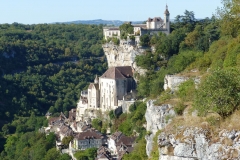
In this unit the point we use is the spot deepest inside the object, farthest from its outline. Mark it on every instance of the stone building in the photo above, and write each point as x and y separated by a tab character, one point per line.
88	139
93	94
119	144
111	32
114	84
152	26
106	91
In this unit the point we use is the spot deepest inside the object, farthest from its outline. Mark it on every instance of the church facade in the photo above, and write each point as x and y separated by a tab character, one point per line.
106	91
152	26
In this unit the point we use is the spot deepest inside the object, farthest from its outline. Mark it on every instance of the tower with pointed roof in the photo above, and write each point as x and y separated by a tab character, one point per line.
167	19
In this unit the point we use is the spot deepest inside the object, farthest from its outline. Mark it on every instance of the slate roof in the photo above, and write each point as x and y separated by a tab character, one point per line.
118	72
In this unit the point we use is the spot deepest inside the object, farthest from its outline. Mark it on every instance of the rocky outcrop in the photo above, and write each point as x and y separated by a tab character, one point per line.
198	143
173	81
157	117
123	54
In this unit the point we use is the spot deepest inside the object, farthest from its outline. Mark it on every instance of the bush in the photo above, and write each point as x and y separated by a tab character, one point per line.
219	93
179	108
186	90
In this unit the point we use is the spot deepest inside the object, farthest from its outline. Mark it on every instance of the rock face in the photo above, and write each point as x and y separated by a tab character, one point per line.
173	81
198	143
123	54
157	118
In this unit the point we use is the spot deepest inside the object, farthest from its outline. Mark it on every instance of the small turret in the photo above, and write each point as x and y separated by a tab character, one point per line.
96	80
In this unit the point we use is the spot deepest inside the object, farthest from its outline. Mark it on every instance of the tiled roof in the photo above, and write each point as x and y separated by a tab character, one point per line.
115	136
66	130
128	141
155	19
89	134
57	120
118	72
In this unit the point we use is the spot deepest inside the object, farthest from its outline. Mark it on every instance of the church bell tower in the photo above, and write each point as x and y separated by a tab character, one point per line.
167	20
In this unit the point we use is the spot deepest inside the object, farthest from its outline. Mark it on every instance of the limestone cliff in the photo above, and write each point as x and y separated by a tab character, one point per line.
173	81
187	143
157	117
123	54
198	143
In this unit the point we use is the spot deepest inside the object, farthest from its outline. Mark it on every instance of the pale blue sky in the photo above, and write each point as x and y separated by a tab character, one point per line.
47	11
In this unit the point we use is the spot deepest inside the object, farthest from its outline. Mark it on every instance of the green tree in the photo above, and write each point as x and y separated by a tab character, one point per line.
229	16
145	40
219	93
52	154
67	140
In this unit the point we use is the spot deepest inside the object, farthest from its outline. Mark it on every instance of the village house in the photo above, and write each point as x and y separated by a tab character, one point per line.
103	153
88	139
119	144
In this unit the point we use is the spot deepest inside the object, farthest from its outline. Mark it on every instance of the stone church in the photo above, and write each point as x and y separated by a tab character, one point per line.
107	90
152	26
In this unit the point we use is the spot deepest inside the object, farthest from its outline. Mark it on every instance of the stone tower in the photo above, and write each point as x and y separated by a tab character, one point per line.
96	80
167	20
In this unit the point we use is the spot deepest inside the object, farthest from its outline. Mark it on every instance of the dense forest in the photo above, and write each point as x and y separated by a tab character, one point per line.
43	68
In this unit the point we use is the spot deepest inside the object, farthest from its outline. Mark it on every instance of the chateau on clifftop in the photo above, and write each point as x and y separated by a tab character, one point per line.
152	26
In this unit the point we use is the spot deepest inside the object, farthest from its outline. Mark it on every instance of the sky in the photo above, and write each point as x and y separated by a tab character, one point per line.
48	11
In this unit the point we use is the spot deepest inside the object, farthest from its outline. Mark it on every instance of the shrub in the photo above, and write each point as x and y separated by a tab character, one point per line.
179	108
219	93
186	90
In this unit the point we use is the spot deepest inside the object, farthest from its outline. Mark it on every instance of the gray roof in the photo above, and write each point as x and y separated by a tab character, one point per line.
118	72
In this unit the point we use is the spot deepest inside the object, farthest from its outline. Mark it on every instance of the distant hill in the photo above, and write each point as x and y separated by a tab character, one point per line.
100	21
